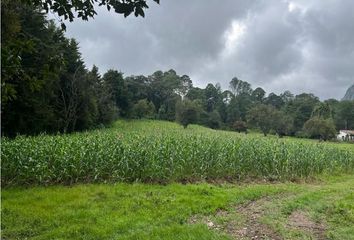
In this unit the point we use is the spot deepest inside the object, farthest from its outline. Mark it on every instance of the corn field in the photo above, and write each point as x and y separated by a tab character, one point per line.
152	151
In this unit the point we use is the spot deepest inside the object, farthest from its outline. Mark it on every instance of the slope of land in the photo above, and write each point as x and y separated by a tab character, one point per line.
156	180
164	152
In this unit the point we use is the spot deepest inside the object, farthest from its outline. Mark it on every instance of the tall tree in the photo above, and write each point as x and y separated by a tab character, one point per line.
322	110
301	109
258	95
115	84
282	123
31	62
261	116
238	86
187	112
320	128
274	100
345	115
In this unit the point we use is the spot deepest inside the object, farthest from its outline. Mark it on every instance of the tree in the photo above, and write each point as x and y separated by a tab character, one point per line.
74	93
258	95
143	109
69	9
185	86
107	110
322	110
31	61
282	123
115	84
238	86
187	112
301	108
227	96
137	88
45	85
274	100
214	120
238	108
345	115
287	96
165	89
240	126
213	96
320	128
261	116
196	93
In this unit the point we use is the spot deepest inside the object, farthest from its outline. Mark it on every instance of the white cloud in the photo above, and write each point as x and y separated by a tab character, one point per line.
232	37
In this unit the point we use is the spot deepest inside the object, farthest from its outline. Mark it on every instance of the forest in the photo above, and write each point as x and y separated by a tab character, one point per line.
46	87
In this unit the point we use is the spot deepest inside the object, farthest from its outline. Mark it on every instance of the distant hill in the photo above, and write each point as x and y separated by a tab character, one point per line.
349	95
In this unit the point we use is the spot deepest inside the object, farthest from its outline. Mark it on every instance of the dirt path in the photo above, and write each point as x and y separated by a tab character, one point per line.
301	221
253	228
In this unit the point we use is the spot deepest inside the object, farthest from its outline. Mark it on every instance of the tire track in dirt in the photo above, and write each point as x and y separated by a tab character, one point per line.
253	227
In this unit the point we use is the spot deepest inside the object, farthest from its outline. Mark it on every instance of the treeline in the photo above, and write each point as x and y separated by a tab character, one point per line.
241	107
47	88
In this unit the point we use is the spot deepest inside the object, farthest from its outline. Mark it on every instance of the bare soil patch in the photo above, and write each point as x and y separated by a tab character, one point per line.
251	228
301	221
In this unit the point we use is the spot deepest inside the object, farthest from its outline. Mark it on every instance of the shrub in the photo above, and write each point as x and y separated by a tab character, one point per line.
240	126
320	128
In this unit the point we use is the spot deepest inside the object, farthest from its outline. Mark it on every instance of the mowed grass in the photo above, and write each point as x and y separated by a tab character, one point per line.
145	211
164	152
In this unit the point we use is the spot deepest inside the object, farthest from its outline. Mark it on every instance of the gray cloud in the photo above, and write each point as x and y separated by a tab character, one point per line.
301	46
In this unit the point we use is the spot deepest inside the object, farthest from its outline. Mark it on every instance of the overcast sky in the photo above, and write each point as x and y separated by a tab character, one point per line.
301	46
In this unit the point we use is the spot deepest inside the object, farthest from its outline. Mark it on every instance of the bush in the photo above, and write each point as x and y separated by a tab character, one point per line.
143	109
239	126
187	112
320	128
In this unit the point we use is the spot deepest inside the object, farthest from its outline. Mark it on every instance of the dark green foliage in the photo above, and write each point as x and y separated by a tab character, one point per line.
258	95
165	89
301	108
137	87
287	96
143	109
320	128
116	86
261	116
214	120
70	9
274	100
267	118
51	90
322	110
240	126
187	112
238	86
282	123
345	115
196	93
28	82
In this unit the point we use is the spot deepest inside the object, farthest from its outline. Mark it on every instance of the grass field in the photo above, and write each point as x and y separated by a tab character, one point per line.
322	209
109	197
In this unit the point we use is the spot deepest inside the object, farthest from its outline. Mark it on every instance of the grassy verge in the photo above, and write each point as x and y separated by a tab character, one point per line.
142	211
